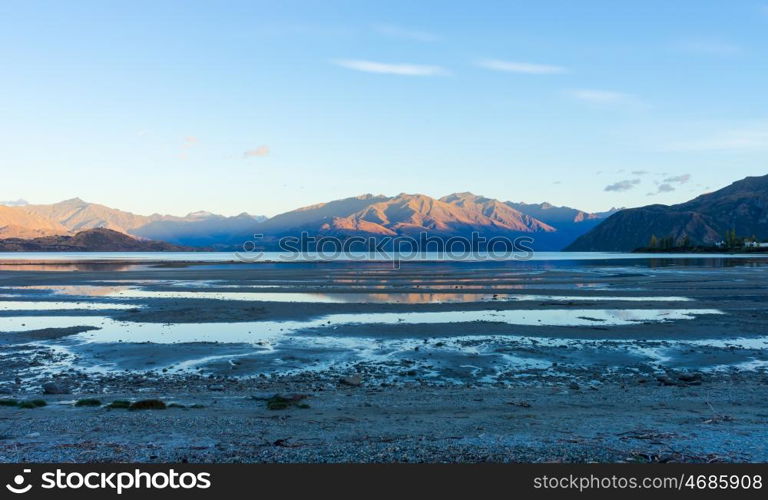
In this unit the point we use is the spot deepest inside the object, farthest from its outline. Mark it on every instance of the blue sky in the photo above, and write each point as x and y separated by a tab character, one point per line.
175	106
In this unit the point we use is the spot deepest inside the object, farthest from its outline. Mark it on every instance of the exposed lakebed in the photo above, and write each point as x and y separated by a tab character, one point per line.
449	324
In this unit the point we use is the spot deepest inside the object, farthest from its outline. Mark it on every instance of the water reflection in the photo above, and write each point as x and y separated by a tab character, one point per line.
65	266
224	293
42	306
248	332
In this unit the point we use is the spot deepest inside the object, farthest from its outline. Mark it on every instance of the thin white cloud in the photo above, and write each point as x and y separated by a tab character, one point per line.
521	67
405	33
640	172
745	139
391	68
661	188
709	47
604	97
680	179
622	185
258	152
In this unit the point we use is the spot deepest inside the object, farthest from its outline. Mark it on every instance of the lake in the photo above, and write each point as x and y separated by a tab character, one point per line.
223	257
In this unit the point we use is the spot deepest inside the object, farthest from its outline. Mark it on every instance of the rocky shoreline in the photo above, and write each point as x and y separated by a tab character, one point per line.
632	419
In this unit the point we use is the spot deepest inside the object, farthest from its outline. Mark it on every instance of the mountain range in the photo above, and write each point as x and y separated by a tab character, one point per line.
367	215
741	207
457	214
72	216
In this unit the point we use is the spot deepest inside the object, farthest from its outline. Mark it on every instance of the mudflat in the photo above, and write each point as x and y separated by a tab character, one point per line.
645	360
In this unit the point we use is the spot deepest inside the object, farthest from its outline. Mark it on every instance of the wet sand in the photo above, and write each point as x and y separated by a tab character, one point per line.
623	382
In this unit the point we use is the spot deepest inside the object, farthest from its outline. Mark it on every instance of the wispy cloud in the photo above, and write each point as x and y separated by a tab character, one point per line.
640	172
391	68
405	33
520	67
661	189
666	185
753	138
255	153
709	47
680	179
625	185
604	97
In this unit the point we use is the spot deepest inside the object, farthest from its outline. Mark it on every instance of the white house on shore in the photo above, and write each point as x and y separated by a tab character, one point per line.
756	244
747	244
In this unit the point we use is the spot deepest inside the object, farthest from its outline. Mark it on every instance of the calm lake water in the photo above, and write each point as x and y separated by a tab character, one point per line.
222	257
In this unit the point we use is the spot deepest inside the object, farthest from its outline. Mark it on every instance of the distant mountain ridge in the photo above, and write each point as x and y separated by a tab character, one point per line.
90	240
741	207
405	214
16	223
558	216
71	216
457	214
78	215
